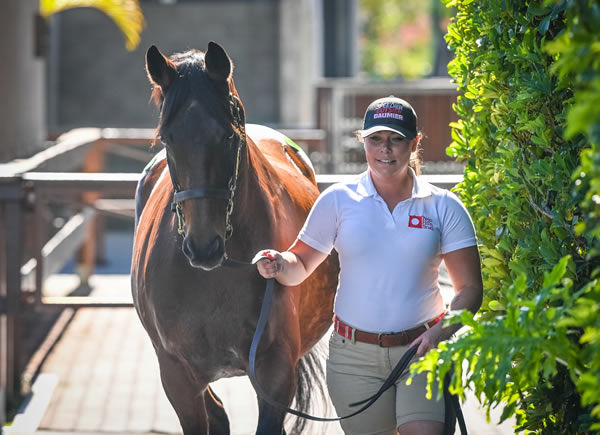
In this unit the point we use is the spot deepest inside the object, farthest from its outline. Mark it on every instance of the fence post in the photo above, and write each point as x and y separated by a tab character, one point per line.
3	329
11	252
94	162
336	149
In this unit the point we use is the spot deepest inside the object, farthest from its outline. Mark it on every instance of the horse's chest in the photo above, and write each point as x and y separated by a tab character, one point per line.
208	333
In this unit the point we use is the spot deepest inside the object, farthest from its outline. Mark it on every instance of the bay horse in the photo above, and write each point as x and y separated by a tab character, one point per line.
235	189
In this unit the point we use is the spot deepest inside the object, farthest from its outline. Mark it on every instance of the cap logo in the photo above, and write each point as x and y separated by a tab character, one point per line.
389	111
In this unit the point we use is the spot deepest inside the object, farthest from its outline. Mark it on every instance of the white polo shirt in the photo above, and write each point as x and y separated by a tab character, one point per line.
388	261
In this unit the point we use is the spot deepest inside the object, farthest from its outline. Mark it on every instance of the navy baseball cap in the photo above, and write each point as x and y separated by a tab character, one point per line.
390	114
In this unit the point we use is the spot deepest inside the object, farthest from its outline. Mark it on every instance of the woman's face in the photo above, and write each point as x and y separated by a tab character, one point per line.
388	153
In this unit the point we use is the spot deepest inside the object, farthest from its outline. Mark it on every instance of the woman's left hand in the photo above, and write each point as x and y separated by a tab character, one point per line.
428	340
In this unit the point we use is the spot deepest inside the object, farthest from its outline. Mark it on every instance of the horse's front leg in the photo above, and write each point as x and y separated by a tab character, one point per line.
198	408
276	374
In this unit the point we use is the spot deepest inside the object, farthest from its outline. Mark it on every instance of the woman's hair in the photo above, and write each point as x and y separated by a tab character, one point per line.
416	158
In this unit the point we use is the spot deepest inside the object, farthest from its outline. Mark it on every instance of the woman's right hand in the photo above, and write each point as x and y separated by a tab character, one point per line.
269	263
289	267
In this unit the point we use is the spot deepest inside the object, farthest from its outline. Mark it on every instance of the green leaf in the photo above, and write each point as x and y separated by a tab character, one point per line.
558	271
544	24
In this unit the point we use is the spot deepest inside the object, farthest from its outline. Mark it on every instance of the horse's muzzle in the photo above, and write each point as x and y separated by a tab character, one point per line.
206	257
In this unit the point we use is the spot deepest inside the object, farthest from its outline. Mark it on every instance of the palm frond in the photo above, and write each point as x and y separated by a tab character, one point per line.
127	14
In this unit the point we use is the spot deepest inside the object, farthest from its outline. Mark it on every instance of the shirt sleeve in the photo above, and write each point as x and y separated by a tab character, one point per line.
457	227
320	229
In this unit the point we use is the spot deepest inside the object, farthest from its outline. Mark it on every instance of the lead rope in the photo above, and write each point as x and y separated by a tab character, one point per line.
260	327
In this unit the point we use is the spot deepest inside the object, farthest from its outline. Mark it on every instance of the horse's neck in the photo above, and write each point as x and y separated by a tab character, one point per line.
254	203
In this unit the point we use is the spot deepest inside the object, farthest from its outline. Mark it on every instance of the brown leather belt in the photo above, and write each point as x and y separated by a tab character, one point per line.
392	339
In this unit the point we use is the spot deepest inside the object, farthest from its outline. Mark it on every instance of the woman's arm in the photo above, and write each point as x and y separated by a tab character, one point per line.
464	268
290	267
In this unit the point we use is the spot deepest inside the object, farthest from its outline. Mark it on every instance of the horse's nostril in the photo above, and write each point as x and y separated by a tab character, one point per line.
214	246
212	249
188	247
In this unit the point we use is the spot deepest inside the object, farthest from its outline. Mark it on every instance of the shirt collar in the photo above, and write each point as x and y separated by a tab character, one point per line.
365	185
421	189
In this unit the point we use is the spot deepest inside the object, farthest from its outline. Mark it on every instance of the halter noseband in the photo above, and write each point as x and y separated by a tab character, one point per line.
212	192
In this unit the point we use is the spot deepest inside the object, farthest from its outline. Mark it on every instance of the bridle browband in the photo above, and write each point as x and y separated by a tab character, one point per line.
212	192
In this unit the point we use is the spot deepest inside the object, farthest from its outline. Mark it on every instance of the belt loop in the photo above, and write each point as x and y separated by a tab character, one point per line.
346	331
426	325
353	338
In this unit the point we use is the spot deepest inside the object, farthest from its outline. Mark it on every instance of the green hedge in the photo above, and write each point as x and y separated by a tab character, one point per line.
529	132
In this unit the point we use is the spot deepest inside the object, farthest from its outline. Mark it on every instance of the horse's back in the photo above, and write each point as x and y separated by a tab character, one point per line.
281	151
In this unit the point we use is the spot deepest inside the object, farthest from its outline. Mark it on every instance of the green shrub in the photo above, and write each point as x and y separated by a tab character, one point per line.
529	131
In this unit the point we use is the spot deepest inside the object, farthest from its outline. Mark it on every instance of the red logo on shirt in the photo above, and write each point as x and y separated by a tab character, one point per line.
420	222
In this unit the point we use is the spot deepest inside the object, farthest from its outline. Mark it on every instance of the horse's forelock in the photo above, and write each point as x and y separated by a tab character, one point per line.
193	80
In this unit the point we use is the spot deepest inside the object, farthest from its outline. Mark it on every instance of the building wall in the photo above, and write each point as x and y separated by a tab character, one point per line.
22	106
299	61
99	83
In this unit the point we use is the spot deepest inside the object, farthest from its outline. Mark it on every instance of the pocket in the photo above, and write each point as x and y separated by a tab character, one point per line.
337	341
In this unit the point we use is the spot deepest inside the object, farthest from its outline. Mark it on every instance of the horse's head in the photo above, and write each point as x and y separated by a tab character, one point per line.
201	127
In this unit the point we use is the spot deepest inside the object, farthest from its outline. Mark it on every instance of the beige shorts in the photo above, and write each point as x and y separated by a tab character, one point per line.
357	370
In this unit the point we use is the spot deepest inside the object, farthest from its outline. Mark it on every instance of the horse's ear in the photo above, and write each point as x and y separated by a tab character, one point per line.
218	64
161	71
